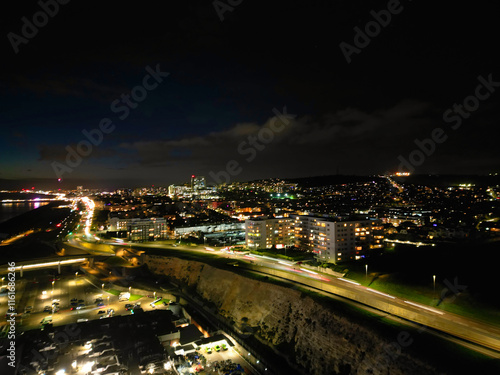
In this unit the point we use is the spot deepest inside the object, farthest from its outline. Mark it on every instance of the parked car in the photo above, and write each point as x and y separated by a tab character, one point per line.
101	312
217	348
208	350
224	347
100	304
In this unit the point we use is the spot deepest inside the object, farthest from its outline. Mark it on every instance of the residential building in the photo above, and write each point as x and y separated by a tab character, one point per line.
334	240
148	229
264	233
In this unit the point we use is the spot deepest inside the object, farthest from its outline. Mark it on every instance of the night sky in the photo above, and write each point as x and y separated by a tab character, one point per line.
227	80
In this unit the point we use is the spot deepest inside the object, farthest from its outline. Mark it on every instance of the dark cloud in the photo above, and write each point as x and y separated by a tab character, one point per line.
69	86
58	152
339	137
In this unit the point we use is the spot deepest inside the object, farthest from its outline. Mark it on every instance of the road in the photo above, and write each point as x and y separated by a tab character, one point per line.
11	240
471	330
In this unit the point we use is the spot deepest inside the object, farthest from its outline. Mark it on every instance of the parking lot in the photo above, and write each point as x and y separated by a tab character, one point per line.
224	360
66	298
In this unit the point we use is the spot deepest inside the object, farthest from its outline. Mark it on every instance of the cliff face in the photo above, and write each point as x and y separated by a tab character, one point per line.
324	342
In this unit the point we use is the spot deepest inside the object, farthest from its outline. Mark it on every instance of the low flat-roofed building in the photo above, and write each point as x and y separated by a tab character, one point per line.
190	347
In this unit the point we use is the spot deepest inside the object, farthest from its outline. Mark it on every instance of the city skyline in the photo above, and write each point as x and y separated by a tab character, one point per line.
234	186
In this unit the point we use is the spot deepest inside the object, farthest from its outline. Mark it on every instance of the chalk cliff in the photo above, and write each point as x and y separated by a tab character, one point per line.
322	341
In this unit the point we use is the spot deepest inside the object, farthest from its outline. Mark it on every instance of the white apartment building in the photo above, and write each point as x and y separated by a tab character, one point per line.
264	233
335	241
179	190
199	190
148	229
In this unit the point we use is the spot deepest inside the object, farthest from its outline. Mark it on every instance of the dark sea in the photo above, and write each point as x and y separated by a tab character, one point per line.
8	210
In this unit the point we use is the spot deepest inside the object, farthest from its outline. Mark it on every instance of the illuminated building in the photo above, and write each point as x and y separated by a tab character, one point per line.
199	182
334	240
178	190
264	233
149	229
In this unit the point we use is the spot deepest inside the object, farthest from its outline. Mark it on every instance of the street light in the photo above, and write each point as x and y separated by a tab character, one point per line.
434	283
366	272
129	288
53	282
2	280
102	286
